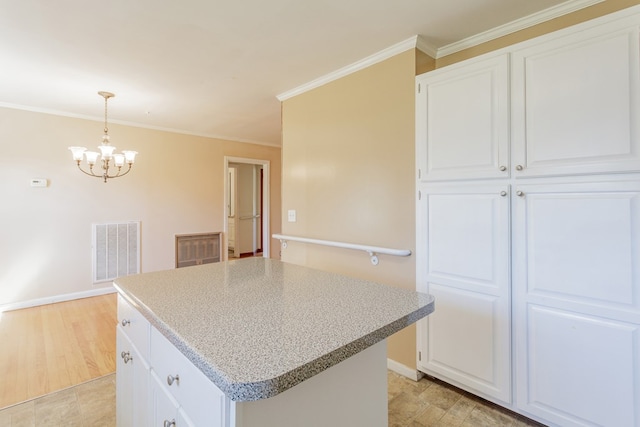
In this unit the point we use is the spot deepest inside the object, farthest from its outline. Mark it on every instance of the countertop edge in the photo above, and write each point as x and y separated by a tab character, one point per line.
272	387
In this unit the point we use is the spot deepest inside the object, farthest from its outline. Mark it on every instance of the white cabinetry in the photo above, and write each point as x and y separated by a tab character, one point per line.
539	289
462	117
156	385
575	104
464	264
132	369
196	395
577	301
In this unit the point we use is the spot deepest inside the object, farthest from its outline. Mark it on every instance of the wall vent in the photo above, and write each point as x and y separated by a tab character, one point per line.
116	250
196	249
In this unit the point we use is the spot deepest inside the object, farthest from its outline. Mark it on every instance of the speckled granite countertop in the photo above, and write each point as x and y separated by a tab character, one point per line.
258	326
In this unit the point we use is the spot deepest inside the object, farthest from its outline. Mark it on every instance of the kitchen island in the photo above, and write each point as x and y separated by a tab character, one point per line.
256	342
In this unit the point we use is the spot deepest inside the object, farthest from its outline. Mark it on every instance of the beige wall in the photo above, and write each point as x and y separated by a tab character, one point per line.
348	171
348	165
176	186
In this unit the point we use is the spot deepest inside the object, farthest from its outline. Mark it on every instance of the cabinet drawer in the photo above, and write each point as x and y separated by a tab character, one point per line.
135	326
200	399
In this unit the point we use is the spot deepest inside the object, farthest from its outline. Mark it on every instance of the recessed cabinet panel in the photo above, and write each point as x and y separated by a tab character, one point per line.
575	106
134	325
468	235
168	362
462	125
132	383
469	323
124	382
465	231
579	243
580	368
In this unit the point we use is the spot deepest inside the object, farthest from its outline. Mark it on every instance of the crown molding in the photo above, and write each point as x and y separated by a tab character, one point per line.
423	45
514	26
134	124
403	46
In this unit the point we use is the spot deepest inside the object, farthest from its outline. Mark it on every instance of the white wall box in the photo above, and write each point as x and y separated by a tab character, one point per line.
535	268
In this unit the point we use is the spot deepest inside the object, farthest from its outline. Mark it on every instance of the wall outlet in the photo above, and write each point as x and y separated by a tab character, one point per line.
291	215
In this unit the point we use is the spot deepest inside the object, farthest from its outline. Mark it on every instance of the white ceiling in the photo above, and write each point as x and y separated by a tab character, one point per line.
213	67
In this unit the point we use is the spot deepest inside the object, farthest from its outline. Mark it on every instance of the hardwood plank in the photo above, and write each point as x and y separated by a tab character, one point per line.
55	346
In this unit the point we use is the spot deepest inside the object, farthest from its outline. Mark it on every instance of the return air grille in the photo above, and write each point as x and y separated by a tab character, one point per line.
116	250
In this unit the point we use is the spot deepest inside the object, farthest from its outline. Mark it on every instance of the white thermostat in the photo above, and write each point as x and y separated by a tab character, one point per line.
39	182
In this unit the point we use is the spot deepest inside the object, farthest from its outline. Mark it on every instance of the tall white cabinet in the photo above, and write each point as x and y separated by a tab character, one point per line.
528	224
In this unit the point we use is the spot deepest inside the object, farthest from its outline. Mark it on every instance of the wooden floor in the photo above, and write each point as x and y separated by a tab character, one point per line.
51	347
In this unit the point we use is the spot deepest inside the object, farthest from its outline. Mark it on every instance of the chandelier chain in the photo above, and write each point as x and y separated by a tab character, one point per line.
106	129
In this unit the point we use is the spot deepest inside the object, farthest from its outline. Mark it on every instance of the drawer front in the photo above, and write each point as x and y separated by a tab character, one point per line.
135	326
200	399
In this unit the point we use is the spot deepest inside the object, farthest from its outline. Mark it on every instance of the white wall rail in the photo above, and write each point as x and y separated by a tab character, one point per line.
373	251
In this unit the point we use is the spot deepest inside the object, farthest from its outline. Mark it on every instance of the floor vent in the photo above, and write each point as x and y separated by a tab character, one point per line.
116	250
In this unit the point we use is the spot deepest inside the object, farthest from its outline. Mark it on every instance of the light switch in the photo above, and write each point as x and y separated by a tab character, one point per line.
291	215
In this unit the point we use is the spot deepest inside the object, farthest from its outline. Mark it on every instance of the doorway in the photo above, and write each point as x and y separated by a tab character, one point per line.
246	208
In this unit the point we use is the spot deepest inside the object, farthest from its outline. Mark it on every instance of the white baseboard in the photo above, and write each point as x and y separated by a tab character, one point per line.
57	298
404	370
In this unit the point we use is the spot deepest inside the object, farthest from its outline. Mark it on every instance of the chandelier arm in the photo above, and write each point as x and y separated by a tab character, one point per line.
90	173
119	174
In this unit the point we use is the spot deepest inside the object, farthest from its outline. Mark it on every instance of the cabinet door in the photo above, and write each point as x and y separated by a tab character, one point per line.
165	407
463	261
577	302
204	403
124	382
132	383
575	104
462	121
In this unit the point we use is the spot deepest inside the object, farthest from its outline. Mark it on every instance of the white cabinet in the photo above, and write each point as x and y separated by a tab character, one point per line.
172	392
132	369
575	104
195	394
156	385
464	264
577	305
166	411
462	122
538	292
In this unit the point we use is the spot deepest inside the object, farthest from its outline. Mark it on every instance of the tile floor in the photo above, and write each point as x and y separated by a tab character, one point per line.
91	404
424	403
432	403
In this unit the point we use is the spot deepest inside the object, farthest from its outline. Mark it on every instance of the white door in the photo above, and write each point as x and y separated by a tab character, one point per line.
232	207
463	231
576	284
462	121
576	104
252	205
248	209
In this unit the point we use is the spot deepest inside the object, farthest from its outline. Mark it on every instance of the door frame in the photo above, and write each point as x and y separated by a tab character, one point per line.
266	202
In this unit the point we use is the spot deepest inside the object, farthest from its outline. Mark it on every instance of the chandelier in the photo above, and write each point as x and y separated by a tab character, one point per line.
106	153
